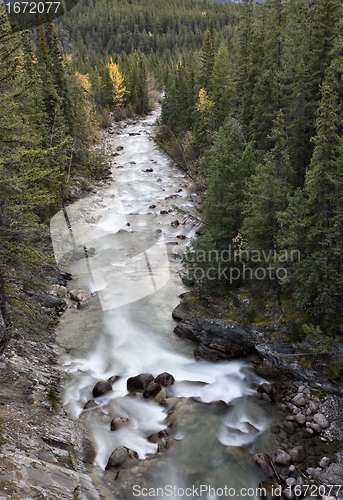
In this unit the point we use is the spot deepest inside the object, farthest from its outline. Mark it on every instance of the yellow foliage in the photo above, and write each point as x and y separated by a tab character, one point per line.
205	104
83	80
240	242
117	81
150	34
69	58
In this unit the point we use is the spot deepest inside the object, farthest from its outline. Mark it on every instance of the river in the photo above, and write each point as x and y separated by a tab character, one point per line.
132	270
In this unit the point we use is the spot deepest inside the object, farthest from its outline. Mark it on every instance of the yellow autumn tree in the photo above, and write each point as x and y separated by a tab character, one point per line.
119	90
204	123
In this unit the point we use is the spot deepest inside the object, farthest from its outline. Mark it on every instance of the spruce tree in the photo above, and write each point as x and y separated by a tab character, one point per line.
207	60
231	163
221	85
317	279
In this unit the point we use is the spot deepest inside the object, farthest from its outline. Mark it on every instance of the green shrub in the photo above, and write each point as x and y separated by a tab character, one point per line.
52	397
321	343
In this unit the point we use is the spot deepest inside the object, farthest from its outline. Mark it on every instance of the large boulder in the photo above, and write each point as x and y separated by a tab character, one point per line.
165	379
49	301
122	458
101	388
139	383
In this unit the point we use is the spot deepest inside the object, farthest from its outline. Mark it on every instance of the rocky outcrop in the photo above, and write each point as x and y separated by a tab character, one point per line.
225	340
219	340
34	454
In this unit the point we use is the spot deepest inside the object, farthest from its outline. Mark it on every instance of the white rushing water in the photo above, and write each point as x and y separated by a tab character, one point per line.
128	328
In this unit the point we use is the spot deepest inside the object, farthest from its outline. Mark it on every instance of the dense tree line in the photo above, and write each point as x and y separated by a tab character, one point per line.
144	37
46	137
252	103
261	120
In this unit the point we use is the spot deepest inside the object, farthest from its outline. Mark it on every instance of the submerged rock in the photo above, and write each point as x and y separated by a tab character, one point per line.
271	491
90	404
113	379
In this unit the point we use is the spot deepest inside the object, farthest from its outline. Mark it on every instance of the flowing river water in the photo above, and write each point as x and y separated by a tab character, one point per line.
127	328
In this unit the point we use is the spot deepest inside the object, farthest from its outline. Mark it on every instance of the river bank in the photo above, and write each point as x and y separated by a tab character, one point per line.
308	421
44	453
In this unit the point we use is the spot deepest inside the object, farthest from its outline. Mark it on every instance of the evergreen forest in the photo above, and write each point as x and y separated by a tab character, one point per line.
252	109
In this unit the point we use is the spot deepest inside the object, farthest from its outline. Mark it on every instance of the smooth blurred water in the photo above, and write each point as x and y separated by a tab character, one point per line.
100	341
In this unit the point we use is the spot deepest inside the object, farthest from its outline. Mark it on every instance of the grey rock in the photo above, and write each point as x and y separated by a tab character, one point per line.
309	432
313	406
324	462
320	419
282	458
316	427
299	400
300	418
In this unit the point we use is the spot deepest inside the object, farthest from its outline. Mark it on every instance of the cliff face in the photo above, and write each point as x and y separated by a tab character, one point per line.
43	452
